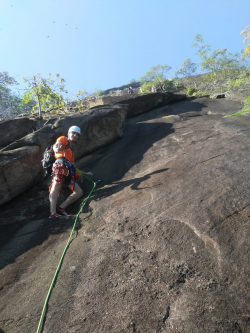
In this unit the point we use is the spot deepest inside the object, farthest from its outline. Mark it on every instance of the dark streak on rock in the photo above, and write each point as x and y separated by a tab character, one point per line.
167	314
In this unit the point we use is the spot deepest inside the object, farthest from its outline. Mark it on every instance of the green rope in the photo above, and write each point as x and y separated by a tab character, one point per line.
60	262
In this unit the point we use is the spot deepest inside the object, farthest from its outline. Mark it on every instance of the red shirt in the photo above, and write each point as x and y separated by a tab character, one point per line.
67	153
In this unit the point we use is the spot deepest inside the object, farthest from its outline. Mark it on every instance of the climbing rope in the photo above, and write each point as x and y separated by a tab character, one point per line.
65	249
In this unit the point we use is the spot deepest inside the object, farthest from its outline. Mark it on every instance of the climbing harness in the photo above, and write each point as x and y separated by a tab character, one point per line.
59	170
63	168
65	249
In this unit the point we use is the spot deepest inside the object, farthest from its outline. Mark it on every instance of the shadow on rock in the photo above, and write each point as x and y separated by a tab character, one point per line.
122	158
30	235
133	183
114	162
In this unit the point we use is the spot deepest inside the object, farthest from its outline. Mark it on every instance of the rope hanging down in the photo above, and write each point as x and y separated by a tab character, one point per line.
65	249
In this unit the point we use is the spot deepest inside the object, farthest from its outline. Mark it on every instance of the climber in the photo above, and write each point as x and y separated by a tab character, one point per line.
64	172
130	90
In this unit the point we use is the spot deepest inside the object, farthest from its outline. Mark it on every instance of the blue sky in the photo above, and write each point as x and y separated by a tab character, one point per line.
101	44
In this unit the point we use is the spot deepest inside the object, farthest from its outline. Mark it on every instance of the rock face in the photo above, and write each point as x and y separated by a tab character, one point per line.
43	137
99	127
14	129
238	95
134	85
139	104
18	171
162	246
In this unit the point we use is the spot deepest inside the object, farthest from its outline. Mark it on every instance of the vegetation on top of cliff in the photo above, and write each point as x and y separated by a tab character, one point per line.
155	80
45	92
10	103
222	71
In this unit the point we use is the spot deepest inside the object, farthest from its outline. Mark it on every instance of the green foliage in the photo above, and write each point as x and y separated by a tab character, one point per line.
246	108
160	85
6	80
201	93
154	80
247	104
132	81
221	60
178	85
10	103
168	84
224	70
187	68
241	80
99	93
80	95
191	91
246	32
118	92
47	93
155	73
145	88
202	48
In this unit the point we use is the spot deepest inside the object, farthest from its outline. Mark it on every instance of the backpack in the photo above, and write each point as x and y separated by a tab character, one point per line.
49	159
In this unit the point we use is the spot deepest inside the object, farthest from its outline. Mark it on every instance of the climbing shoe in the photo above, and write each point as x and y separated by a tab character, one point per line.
54	215
62	211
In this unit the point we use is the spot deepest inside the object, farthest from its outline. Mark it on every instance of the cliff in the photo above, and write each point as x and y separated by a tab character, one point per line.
163	243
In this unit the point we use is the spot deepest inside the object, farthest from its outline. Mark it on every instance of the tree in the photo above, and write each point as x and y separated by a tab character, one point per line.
80	95
46	92
155	77
155	72
187	68
6	80
222	68
202	48
99	93
10	103
246	32
79	99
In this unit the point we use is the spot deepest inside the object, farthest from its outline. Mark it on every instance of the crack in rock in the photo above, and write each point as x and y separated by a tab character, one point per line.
167	314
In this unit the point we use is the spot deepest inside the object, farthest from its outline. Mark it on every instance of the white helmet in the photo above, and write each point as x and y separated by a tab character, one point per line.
75	129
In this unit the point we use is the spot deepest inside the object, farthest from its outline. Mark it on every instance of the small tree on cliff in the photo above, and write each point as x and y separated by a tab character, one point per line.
10	103
223	68
186	69
154	77
46	92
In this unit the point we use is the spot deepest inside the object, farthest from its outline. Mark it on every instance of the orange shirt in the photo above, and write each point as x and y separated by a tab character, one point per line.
67	153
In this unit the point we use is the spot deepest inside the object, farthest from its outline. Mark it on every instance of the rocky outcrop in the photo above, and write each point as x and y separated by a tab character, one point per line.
139	104
134	85
19	170
43	137
99	127
11	130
